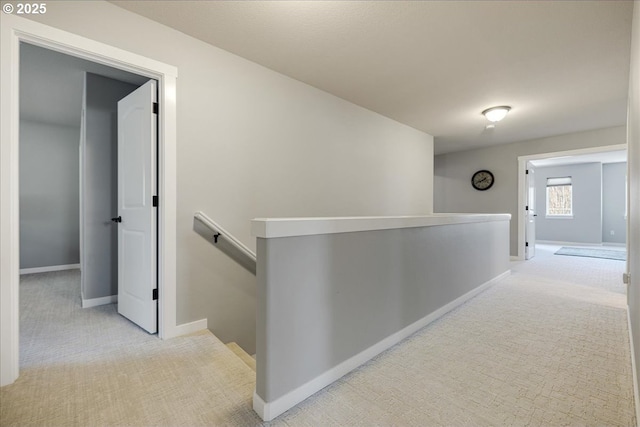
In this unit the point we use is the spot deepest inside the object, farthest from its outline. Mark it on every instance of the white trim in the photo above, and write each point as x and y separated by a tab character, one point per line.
189	328
94	302
49	268
269	410
13	31
9	206
634	369
289	227
562	243
263	409
620	245
522	182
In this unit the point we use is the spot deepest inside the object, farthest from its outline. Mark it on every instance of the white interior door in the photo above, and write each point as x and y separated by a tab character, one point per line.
530	231
137	215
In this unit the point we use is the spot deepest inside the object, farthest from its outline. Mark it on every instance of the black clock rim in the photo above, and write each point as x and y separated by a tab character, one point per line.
489	186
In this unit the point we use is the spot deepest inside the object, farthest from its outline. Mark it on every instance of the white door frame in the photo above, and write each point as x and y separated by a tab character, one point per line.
522	182
530	212
13	31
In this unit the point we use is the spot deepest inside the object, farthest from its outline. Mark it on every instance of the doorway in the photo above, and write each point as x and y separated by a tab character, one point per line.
14	31
81	97
573	158
530	212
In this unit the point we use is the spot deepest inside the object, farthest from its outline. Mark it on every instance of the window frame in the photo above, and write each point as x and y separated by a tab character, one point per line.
564	181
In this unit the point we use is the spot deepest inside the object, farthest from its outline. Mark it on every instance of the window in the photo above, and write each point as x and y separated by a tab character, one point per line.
559	197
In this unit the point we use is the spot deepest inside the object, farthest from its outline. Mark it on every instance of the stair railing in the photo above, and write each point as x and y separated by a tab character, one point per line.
226	242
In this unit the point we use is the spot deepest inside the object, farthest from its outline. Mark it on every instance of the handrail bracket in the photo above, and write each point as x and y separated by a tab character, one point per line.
228	244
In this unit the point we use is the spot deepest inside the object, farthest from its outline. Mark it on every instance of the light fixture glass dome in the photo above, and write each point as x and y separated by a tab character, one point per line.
495	114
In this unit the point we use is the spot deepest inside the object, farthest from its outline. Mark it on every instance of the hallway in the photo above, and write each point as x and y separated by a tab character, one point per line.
548	345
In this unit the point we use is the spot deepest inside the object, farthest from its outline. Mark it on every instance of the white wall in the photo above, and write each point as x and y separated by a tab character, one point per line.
614	207
453	171
49	224
254	143
585	226
633	236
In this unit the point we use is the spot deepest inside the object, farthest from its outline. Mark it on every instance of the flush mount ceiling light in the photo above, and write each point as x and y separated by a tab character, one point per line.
495	114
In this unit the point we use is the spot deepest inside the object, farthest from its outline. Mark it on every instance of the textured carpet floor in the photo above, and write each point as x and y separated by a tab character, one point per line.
546	346
90	366
532	350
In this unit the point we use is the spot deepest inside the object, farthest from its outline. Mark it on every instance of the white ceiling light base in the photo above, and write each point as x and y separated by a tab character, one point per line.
495	114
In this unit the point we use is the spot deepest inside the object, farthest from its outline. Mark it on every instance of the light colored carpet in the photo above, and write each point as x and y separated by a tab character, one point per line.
542	347
529	351
93	367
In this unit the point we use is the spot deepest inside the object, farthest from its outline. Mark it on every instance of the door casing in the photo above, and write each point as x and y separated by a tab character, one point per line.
522	183
530	212
15	30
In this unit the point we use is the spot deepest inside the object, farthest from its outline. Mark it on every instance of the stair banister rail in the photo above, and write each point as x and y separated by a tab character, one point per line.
220	231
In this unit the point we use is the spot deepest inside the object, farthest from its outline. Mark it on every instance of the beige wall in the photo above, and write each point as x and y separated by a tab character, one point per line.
254	143
453	171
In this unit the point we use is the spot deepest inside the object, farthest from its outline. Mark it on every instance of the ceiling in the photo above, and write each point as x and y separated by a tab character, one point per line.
51	84
435	65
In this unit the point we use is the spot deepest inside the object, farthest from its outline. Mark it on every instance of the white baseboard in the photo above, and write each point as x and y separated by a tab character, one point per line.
269	410
561	243
94	302
262	408
514	258
621	245
634	370
49	268
600	245
189	328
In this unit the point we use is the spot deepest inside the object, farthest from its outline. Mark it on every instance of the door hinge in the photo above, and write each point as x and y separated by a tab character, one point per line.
155	108
154	201
526	244
526	208
626	278
155	294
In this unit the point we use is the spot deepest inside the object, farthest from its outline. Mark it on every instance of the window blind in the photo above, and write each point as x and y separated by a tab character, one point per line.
556	182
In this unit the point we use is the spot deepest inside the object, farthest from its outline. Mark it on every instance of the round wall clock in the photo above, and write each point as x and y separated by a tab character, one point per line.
482	180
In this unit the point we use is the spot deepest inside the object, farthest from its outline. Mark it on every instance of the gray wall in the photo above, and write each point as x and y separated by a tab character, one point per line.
254	143
598	204
614	176
586	224
49	224
326	298
633	125
99	171
453	171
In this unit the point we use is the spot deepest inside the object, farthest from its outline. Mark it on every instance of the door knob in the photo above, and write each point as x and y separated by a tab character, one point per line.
117	219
